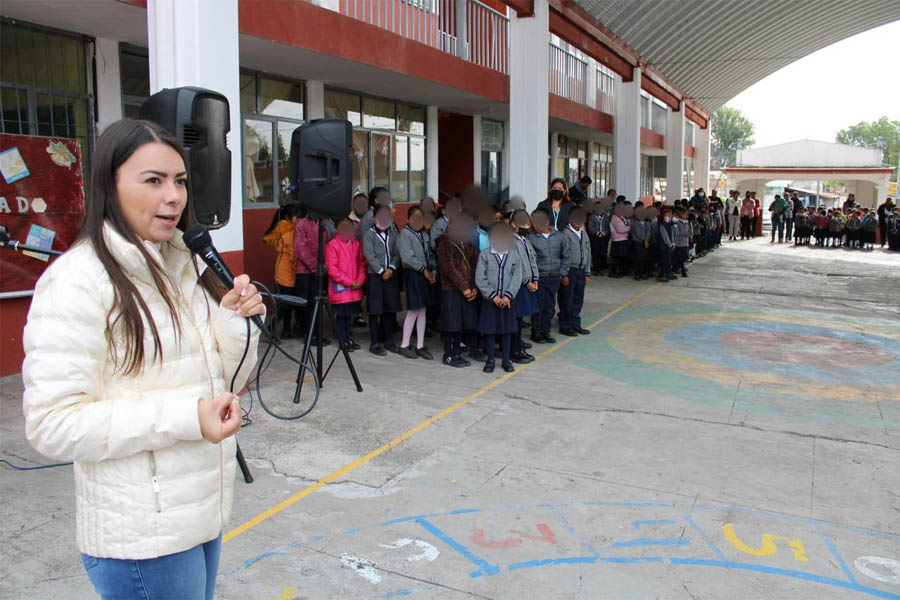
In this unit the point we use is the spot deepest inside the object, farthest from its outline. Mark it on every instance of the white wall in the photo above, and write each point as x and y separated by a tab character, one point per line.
809	153
109	83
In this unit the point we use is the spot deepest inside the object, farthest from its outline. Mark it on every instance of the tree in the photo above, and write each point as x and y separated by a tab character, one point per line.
866	135
728	126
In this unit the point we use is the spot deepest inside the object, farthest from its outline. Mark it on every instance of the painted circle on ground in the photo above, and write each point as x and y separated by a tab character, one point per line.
805	349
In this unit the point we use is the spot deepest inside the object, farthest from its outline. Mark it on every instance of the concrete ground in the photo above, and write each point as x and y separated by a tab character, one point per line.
735	434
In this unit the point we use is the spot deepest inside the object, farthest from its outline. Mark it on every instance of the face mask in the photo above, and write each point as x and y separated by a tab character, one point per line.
523	231
668	219
557	194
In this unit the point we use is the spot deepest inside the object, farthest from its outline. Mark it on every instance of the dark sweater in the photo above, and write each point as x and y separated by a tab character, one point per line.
456	263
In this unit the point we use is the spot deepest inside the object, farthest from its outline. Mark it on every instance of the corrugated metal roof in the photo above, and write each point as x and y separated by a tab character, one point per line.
714	49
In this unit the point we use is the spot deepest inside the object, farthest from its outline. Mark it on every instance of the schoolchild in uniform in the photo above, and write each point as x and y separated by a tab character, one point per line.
801	226
598	230
452	207
419	280
359	211
836	229
306	254
869	228
382	256
571	291
526	299
378	196
820	227
640	246
498	277
666	246
893	229
346	277
682	231
553	264
854	226
457	260
620	250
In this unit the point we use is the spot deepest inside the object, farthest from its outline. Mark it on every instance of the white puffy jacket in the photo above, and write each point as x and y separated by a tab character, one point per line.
147	484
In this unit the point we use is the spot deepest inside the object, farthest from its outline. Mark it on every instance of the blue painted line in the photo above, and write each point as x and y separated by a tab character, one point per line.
705	537
639	524
354	530
791	518
464	511
486	567
653	542
408	519
786	573
396	593
837	555
251	561
565	522
583	560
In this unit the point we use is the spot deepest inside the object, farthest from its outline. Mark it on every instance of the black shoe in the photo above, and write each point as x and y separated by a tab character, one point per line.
582	331
673	277
568	332
684	274
477	355
392	347
408	352
549	339
508	367
465	362
522	358
526	345
424	353
455	361
662	280
488	367
377	350
538	338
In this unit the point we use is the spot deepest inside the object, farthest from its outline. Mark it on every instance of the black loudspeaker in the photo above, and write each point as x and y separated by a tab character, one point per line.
321	171
200	119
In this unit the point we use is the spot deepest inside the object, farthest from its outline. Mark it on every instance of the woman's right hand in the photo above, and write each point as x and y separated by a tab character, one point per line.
220	417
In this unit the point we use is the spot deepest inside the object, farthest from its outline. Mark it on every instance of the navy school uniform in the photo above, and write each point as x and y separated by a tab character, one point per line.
571	297
526	300
553	263
417	258
498	275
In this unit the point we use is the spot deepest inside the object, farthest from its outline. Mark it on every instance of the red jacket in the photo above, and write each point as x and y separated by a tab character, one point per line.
306	247
346	266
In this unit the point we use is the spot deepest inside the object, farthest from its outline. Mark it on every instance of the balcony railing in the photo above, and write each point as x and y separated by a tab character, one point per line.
465	28
606	91
568	75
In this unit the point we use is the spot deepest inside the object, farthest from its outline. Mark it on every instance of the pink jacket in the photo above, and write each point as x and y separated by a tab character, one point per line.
346	266
747	207
618	229
306	247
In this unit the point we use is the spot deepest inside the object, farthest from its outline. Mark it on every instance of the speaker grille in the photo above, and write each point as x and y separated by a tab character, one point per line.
190	136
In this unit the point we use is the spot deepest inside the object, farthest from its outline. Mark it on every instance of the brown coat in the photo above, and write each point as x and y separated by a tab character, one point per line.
456	264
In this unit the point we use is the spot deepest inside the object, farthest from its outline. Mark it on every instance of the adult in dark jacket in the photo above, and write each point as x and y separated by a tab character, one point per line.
578	192
557	204
884	211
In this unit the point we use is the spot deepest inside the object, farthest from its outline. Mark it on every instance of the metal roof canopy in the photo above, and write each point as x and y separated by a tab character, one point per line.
712	50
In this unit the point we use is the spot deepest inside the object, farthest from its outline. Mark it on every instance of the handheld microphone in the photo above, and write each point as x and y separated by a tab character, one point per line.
198	241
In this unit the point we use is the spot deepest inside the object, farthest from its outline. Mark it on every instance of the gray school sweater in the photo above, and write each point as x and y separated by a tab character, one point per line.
438	229
579	248
527	260
414	250
492	280
640	231
552	253
682	233
380	250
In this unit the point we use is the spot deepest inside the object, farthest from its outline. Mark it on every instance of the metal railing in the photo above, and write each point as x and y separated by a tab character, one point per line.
568	75
606	91
466	28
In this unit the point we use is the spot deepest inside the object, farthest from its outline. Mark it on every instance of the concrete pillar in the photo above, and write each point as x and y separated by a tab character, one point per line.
554	155
701	158
476	149
590	83
529	88
431	152
109	83
315	100
675	156
627	137
195	42
505	161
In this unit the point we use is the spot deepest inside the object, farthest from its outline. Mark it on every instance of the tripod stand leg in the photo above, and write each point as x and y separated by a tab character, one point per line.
307	351
245	470
344	350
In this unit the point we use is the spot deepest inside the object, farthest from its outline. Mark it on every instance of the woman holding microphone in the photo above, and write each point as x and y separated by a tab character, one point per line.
132	348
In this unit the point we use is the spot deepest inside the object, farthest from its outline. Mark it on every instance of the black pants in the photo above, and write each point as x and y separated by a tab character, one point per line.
745	227
451	343
285	311
571	300
490	346
381	328
598	251
665	262
882	226
547	288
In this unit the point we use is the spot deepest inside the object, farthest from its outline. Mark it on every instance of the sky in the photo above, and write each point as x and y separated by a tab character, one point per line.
857	79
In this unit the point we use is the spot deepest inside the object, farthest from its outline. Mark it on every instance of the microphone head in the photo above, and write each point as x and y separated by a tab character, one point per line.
196	238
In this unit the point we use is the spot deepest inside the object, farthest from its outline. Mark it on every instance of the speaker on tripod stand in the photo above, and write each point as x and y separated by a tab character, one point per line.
321	176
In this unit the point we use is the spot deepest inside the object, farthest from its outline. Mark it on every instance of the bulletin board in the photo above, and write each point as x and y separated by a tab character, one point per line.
41	203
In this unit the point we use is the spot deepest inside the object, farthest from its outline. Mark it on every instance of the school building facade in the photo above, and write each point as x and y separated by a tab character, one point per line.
442	94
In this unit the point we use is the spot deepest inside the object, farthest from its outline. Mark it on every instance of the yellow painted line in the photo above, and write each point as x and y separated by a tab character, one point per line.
271	512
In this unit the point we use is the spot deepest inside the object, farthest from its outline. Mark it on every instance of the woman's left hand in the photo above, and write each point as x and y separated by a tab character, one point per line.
243	298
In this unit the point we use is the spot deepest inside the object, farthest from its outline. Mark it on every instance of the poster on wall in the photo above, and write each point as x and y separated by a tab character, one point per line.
41	204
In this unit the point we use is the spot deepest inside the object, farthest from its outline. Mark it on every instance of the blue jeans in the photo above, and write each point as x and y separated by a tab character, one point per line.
188	575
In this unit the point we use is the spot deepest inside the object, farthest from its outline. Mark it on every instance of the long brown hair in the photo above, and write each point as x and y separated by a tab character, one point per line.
119	141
